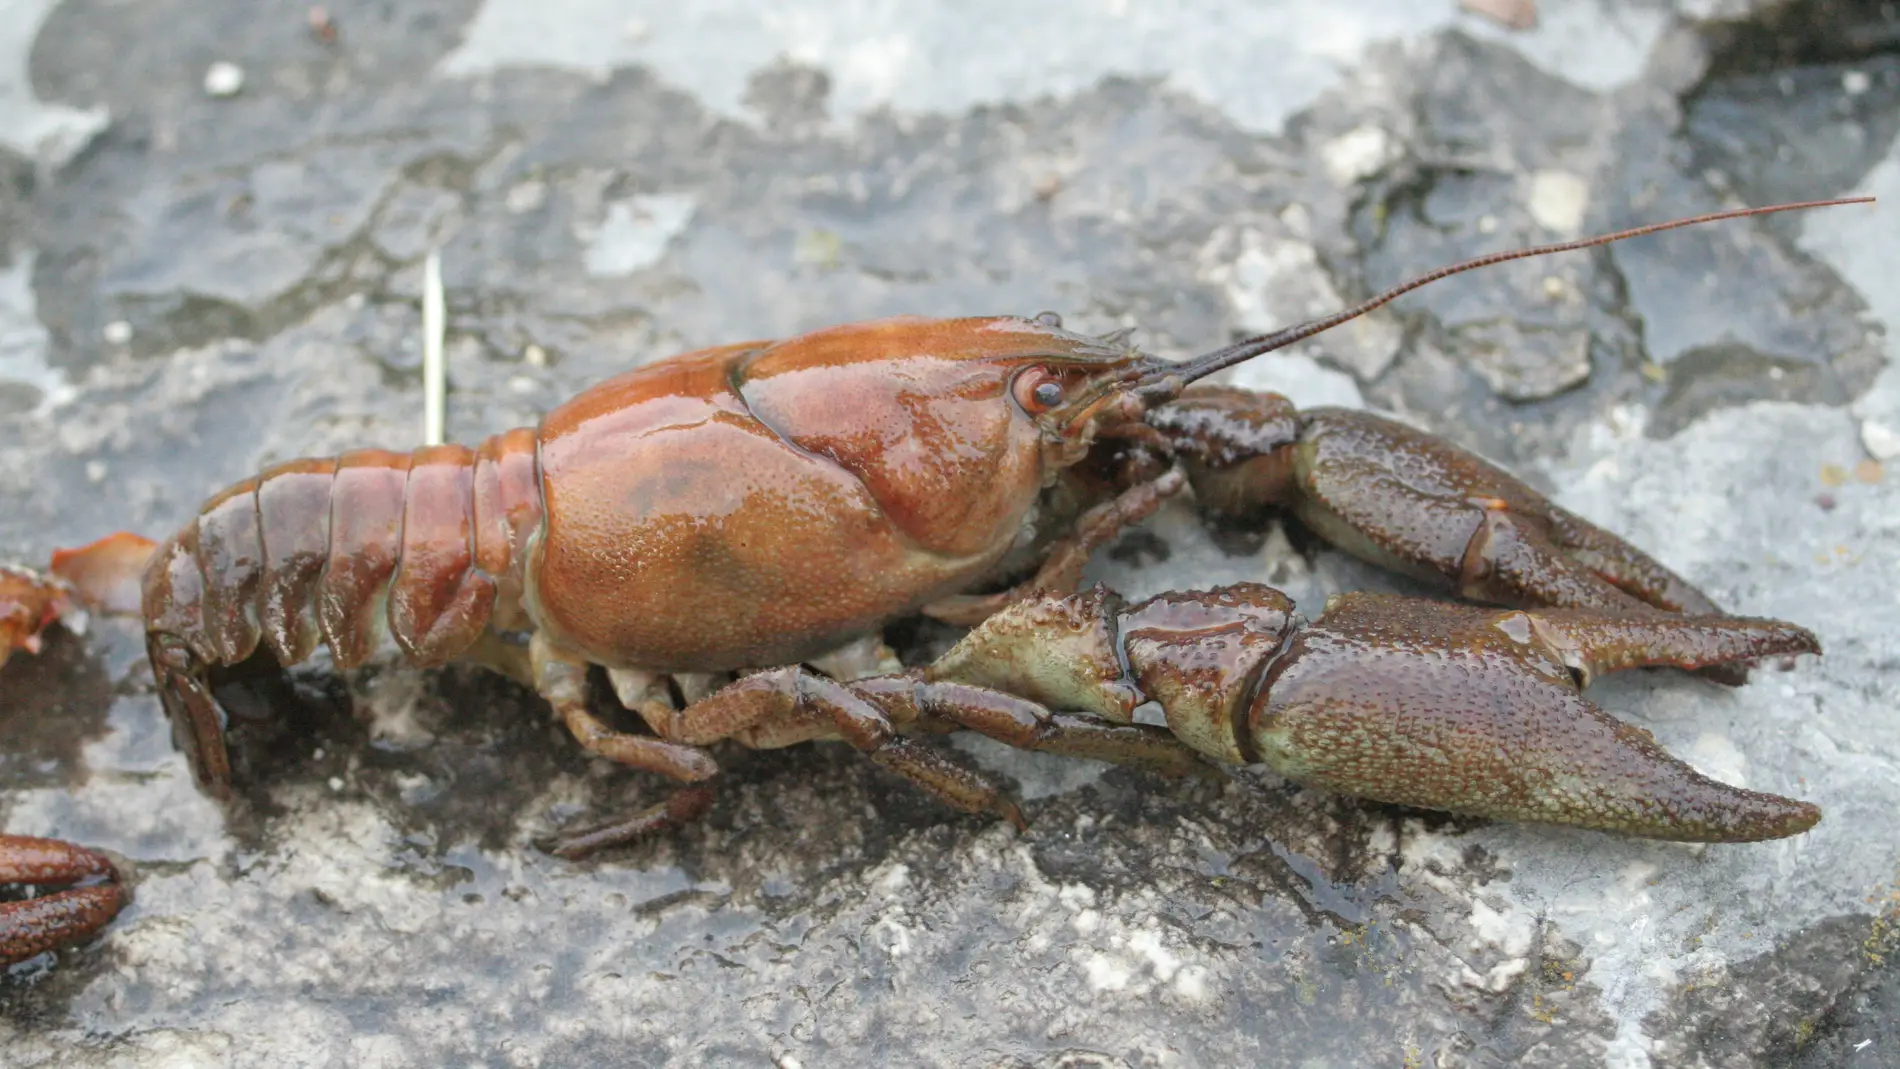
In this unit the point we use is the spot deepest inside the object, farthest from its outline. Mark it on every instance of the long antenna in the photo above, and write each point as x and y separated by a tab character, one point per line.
1181	374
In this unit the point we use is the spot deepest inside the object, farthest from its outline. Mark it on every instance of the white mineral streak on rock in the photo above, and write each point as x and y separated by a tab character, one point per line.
52	133
636	232
23	341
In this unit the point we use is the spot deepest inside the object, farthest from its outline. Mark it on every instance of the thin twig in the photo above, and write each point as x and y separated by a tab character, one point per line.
435	386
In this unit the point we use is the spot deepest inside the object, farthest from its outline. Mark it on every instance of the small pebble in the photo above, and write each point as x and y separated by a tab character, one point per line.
1358	154
95	471
818	248
534	356
1833	475
224	79
1825	501
118	332
335	783
526	196
1881	440
1868	471
1854	83
322	25
1558	200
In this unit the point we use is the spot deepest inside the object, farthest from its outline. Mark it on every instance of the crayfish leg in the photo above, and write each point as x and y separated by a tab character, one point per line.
1376	487
1030	725
1061	652
1040	654
787	706
564	684
1061	570
948	782
33	926
198	724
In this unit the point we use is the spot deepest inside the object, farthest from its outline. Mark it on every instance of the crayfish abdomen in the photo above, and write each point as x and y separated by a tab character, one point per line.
313	548
424	546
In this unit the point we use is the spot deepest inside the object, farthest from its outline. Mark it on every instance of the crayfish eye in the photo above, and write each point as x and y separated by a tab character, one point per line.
1038	391
1049	319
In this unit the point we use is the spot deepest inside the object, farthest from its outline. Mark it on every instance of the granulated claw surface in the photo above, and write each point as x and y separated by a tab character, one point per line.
31	927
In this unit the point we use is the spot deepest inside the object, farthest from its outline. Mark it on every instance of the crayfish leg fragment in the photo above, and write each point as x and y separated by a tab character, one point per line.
1416	504
1059	652
682	807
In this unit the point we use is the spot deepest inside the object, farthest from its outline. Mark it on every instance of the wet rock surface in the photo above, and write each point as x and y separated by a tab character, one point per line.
215	283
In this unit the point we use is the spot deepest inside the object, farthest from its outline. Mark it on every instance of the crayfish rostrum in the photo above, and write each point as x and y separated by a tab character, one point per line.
746	519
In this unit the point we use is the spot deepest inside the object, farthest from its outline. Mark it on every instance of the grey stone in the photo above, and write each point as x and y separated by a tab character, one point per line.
374	897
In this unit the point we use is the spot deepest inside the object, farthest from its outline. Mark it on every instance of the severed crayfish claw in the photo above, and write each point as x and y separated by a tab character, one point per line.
1403	700
101	577
30	927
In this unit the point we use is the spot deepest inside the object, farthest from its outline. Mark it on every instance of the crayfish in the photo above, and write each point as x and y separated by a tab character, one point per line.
744	520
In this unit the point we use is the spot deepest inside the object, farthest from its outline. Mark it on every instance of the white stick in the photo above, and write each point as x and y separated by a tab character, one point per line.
435	387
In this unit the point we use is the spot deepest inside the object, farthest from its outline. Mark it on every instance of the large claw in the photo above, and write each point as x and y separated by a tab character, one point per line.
1402	700
1479	711
1416	504
33	926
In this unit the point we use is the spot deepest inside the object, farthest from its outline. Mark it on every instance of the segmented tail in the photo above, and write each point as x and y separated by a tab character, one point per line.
424	547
